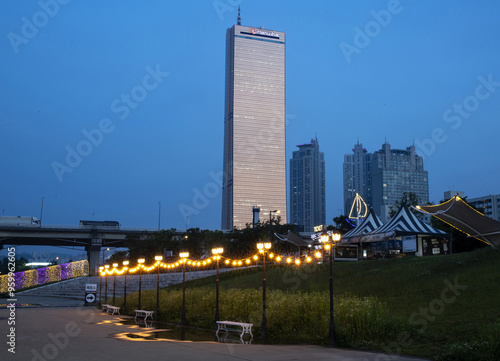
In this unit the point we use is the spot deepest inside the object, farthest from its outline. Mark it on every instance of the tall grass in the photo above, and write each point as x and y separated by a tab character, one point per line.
292	317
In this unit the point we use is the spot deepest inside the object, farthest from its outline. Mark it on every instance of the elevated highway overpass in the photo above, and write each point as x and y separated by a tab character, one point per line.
91	238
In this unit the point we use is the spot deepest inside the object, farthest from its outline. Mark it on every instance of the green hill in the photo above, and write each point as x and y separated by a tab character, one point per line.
450	303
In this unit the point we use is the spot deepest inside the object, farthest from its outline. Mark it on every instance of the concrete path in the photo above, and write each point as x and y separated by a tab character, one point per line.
81	333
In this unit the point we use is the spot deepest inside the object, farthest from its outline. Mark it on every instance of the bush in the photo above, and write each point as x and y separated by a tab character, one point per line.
292	317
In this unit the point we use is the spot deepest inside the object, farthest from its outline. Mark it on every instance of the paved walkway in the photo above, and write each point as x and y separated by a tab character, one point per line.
75	333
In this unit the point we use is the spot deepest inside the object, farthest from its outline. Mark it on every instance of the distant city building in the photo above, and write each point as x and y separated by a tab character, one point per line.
488	205
383	177
451	194
307	187
357	176
254	126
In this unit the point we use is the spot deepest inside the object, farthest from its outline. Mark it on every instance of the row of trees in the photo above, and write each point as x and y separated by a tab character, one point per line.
198	243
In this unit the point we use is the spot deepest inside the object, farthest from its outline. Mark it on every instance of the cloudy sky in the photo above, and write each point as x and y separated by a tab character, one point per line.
108	108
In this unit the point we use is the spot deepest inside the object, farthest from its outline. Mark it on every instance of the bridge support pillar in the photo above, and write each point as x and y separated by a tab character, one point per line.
93	252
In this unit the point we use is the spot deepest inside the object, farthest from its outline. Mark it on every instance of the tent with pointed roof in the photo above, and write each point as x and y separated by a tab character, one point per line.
463	217
369	224
292	238
404	223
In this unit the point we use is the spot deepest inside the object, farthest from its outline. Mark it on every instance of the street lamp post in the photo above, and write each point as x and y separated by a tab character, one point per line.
114	282
158	261
263	247
41	212
106	266
140	261
101	268
183	255
159	215
329	241
104	250
125	264
217	252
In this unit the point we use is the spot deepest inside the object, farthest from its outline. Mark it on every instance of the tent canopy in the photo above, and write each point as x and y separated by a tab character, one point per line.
403	223
369	224
293	239
463	217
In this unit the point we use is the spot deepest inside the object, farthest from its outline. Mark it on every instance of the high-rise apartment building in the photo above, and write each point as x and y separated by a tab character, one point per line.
254	125
307	187
357	176
383	177
488	205
395	172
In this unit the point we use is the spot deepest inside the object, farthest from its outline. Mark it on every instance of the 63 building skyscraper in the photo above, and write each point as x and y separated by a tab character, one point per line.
254	125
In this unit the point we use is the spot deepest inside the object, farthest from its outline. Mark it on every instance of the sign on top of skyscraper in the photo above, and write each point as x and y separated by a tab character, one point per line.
254	125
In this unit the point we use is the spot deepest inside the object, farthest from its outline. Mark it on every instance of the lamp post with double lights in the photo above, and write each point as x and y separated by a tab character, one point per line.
140	261
329	239
106	266
125	264
114	281
263	247
101	269
183	255
158	261
217	252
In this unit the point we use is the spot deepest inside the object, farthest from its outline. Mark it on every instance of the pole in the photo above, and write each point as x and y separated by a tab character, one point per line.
100	287
41	212
158	292
106	290
140	286
125	291
331	342
217	294
159	215
183	316
264	318
114	288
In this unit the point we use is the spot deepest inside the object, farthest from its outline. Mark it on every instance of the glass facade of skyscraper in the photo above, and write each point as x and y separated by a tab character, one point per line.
254	125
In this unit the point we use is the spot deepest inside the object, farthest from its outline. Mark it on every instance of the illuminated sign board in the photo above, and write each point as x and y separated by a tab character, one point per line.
318	228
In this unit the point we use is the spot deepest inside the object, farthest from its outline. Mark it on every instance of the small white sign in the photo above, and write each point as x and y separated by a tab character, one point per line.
91	287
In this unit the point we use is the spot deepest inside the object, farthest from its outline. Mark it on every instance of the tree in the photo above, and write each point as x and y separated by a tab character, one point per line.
342	224
152	245
411	199
118	257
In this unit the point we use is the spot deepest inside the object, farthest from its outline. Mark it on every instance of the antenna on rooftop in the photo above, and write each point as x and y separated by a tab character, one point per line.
239	17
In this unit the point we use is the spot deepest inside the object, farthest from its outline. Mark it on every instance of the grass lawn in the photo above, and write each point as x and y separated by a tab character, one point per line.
450	302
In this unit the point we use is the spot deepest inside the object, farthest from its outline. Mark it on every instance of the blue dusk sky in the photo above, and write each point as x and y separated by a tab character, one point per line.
109	107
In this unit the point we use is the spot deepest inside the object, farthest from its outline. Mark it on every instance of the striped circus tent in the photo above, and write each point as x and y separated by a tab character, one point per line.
402	224
369	224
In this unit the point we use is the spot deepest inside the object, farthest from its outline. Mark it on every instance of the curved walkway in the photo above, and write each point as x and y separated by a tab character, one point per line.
75	333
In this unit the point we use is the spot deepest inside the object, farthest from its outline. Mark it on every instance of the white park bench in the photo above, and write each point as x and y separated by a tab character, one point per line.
232	326
113	309
143	313
105	307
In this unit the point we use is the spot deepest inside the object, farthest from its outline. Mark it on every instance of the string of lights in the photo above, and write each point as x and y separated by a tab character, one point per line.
228	262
